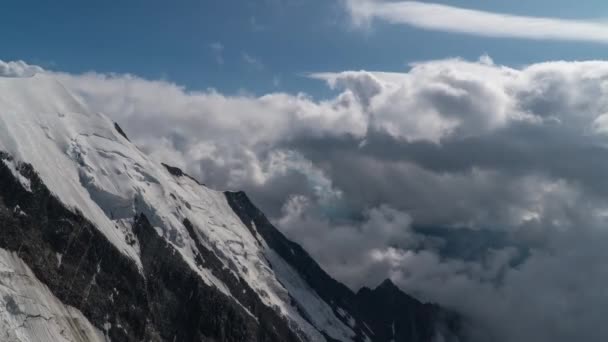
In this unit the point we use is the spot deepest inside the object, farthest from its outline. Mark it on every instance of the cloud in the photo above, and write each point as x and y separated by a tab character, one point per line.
255	25
438	17
252	61
18	69
392	173
276	81
430	102
218	52
349	249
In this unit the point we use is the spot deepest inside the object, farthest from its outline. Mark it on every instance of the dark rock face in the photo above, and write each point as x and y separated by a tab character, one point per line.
177	172
385	313
166	300
120	131
393	315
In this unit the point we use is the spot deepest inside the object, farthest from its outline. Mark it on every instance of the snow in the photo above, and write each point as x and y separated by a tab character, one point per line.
344	314
29	312
22	179
17	210
38	125
93	169
319	312
59	258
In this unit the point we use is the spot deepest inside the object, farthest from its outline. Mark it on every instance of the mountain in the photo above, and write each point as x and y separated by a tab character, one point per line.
100	243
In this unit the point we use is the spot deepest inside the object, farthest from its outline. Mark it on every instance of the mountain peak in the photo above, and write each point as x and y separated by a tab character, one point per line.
387	284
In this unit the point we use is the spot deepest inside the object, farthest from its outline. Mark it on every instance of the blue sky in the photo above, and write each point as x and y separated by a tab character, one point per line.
265	45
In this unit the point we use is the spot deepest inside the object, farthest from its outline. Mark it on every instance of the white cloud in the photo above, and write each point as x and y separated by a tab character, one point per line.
348	250
18	69
438	17
434	100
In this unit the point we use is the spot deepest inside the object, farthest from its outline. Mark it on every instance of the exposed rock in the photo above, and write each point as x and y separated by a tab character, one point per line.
120	131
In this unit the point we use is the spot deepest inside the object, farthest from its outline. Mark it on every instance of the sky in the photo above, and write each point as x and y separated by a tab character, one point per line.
259	46
457	147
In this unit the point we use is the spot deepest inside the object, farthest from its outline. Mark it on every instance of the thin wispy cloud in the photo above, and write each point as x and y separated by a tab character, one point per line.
445	18
276	81
217	49
252	61
255	25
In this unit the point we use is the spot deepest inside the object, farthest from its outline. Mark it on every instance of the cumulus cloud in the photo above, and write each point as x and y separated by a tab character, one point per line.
354	247
438	17
18	69
386	178
432	102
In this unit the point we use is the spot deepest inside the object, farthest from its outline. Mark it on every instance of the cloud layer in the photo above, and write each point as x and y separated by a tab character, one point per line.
18	69
438	17
478	186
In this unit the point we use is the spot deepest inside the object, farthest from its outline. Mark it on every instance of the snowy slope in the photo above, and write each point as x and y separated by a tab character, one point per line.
90	167
30	313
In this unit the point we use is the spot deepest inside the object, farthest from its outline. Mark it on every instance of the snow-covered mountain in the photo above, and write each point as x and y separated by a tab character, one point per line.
100	243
